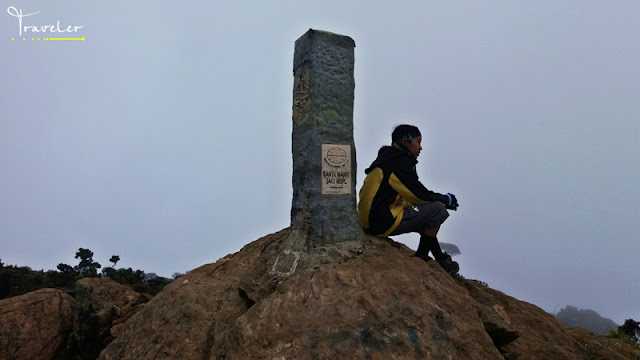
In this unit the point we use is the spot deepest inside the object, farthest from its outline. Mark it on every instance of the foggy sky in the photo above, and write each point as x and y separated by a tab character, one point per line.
165	136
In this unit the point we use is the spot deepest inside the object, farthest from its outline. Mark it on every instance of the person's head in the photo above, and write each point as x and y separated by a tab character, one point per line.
408	137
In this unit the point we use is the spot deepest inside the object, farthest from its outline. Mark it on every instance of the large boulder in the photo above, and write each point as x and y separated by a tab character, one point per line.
102	306
34	325
364	300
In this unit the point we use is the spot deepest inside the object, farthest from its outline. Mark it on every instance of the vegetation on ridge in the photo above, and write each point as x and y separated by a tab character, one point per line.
629	332
18	280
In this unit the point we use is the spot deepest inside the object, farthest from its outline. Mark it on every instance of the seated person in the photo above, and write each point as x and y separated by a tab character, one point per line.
393	201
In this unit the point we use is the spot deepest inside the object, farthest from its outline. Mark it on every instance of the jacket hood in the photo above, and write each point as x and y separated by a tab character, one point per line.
387	153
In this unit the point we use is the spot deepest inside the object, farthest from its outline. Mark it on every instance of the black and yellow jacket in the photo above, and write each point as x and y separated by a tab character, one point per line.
391	185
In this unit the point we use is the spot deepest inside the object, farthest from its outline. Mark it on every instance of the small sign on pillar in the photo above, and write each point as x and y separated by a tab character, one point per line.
336	169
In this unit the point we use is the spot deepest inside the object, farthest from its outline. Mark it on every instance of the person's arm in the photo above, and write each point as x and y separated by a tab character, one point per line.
405	181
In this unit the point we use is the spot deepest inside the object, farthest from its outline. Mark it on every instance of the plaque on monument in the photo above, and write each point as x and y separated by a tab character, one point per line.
336	169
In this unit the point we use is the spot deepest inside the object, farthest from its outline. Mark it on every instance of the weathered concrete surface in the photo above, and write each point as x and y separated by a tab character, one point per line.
34	325
323	97
378	303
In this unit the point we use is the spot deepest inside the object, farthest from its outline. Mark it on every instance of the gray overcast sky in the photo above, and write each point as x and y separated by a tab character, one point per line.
165	136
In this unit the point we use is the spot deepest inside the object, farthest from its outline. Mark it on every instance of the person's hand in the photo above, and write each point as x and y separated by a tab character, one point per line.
453	202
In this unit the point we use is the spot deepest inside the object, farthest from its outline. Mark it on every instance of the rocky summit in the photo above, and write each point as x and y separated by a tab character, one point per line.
361	300
278	298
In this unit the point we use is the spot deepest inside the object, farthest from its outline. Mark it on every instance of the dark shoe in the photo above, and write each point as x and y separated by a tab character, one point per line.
423	257
449	265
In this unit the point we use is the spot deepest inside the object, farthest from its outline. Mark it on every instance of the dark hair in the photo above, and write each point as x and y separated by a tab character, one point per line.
404	132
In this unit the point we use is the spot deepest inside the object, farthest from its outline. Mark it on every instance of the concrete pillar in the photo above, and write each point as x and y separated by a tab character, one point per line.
324	154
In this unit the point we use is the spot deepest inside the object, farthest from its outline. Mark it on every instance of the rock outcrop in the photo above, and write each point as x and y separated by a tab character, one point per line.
102	305
34	325
369	300
604	347
273	300
539	334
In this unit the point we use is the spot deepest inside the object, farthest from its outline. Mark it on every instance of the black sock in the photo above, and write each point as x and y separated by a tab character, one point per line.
423	247
431	244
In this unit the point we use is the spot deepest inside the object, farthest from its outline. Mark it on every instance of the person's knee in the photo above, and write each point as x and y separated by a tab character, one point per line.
431	232
440	209
441	213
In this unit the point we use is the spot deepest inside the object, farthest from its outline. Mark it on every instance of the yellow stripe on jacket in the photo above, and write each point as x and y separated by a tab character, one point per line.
367	193
404	191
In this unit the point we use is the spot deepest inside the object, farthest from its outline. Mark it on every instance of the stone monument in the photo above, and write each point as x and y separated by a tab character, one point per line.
324	155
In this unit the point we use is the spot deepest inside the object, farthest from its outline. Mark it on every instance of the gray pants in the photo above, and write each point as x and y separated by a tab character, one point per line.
423	216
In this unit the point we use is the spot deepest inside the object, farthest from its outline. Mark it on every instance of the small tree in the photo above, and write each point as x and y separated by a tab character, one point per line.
86	267
114	259
631	328
67	274
65	269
